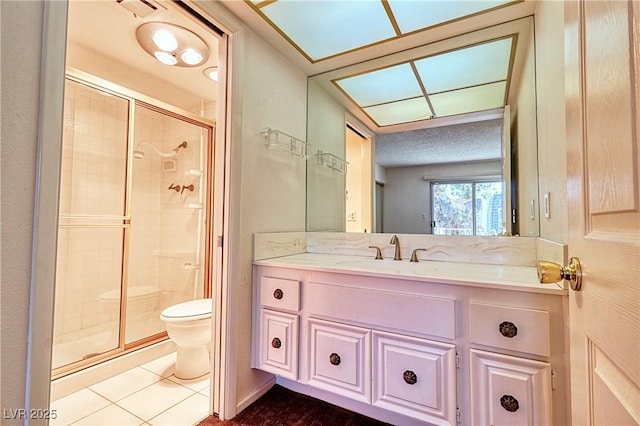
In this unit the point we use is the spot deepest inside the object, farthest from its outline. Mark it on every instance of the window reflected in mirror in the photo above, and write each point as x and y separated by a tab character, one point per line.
467	208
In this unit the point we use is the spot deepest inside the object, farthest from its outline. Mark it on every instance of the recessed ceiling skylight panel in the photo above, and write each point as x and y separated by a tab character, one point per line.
414	15
472	99
326	28
471	66
384	85
400	112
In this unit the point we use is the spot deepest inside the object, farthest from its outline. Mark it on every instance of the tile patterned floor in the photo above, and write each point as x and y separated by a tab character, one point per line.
146	395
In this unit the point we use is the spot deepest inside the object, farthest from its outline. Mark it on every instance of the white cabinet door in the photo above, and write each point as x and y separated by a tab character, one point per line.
415	377
340	359
279	343
510	391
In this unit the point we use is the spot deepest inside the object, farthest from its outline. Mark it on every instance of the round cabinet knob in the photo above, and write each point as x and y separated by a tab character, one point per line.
508	329
550	272
410	377
276	343
334	359
278	294
509	403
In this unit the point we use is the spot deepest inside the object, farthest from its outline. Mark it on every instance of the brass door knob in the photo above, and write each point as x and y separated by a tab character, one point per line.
550	272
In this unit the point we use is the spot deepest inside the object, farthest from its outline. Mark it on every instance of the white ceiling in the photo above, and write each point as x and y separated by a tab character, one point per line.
479	141
102	42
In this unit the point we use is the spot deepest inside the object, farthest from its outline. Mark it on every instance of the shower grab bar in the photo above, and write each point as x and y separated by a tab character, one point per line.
71	221
94	217
97	225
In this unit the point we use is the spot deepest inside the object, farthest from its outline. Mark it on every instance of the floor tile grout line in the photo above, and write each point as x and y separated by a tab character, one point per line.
133	414
182	400
93	412
128	395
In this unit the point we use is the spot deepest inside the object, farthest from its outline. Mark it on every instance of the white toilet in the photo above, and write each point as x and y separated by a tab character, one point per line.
189	326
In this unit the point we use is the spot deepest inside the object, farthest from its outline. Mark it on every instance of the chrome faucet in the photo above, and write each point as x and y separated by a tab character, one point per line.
396	241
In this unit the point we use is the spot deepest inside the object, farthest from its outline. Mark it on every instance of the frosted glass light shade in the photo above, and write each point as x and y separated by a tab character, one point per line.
478	98
191	57
417	15
165	40
385	85
211	73
481	64
326	28
166	58
400	112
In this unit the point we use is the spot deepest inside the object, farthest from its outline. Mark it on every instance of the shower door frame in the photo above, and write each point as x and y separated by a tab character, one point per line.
138	100
47	169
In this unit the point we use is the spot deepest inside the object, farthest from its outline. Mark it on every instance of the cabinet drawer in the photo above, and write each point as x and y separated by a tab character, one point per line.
406	312
279	343
508	390
340	359
414	377
280	293
518	329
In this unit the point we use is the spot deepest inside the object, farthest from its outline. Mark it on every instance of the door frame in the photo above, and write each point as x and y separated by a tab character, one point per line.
48	166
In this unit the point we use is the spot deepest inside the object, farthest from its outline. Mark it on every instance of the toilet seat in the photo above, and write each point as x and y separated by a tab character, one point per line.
188	311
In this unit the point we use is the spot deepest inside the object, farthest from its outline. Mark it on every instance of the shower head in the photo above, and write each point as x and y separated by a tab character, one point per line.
138	154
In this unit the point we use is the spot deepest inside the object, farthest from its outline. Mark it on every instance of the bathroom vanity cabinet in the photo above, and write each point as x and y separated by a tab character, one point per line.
413	348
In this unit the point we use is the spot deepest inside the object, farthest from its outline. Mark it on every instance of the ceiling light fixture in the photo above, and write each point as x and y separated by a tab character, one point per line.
211	73
166	58
191	57
172	44
165	40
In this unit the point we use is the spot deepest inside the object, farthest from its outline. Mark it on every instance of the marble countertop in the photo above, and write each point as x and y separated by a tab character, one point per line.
506	277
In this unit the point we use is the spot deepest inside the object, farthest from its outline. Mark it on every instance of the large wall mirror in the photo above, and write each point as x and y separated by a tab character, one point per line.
439	139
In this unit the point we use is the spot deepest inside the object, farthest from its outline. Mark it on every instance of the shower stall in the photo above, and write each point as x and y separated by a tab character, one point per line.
133	234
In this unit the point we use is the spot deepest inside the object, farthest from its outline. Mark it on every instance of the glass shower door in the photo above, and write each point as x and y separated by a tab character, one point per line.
92	224
168	224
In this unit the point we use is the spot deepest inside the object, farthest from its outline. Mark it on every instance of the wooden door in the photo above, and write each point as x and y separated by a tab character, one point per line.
602	56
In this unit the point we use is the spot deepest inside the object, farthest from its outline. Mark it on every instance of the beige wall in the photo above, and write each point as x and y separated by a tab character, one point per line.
326	131
551	124
21	24
268	187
